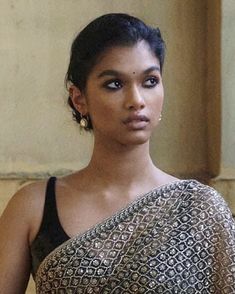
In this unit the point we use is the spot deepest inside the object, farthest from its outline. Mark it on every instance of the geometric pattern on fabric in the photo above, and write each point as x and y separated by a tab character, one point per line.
177	238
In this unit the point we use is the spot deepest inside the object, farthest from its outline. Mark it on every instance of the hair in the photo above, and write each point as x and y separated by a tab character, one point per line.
109	30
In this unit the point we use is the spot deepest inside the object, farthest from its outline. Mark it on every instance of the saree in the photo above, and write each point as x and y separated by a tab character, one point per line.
177	238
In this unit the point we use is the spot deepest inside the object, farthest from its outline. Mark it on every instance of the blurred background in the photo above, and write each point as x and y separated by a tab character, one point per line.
196	137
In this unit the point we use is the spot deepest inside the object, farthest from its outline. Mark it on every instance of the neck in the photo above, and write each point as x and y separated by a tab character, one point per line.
120	164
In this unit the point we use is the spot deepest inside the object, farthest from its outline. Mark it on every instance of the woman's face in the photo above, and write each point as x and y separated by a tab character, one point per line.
124	94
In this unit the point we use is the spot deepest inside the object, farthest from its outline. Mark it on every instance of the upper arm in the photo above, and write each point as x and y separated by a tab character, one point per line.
215	230
15	229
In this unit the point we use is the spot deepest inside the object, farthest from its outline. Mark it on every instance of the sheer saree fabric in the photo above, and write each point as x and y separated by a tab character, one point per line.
178	238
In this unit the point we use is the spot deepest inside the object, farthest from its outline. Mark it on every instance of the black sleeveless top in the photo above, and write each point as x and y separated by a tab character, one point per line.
51	233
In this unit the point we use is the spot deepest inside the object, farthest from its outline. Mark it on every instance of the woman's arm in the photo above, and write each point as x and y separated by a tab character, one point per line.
21	217
214	233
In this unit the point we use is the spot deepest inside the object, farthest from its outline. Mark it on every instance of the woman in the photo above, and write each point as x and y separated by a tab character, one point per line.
120	225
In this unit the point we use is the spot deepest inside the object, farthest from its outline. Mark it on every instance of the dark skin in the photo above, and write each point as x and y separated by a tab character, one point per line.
124	103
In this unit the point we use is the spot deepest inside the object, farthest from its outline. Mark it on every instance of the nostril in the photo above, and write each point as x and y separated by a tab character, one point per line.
136	107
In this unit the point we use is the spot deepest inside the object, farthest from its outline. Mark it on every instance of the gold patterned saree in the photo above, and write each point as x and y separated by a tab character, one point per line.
178	238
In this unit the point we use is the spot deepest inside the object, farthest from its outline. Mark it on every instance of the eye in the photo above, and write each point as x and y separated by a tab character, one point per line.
151	82
113	85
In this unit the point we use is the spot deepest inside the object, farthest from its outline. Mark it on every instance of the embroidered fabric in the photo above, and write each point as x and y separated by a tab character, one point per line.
179	238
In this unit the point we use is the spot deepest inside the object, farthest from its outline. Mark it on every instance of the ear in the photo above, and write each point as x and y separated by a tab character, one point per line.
78	99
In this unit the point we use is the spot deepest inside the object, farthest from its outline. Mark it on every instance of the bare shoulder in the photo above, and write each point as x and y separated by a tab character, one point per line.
26	207
77	180
19	221
29	196
165	178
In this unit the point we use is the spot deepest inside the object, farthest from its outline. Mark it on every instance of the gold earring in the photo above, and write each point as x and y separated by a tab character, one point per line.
83	122
160	117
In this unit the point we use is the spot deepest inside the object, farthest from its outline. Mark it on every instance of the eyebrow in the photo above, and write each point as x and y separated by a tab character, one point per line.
112	72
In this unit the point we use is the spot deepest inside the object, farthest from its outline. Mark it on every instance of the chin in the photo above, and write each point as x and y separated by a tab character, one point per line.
136	139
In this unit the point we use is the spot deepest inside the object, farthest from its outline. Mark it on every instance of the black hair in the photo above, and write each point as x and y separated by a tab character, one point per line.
106	31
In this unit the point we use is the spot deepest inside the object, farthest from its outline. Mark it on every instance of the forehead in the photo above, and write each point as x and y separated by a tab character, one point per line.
127	59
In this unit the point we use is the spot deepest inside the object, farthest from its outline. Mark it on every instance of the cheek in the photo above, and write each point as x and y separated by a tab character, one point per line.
101	114
157	101
156	107
161	99
161	104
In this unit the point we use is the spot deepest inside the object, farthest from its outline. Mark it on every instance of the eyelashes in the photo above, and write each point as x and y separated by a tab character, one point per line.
113	84
116	84
151	82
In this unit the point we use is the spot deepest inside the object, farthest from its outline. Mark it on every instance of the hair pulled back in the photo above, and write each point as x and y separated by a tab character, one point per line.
109	30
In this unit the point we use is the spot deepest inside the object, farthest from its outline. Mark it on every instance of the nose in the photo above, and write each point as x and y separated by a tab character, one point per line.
134	99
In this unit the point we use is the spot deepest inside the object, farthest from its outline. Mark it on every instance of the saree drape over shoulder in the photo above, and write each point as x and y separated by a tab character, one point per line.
178	238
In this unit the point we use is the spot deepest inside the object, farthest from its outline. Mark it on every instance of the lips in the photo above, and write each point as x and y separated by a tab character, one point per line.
136	117
136	122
